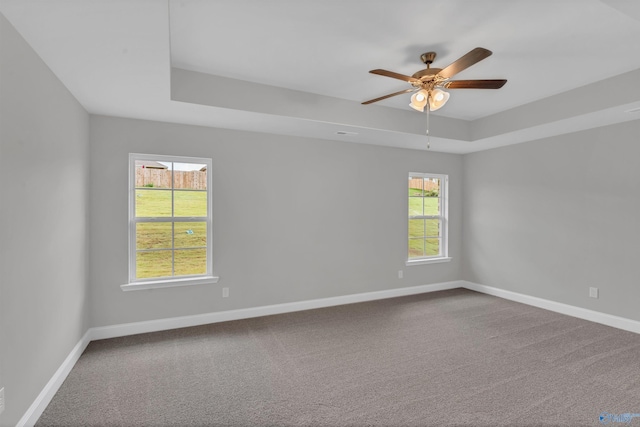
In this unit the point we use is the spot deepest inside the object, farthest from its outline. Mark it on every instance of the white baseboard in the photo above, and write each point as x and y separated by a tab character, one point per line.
43	399
247	313
40	404
125	329
558	307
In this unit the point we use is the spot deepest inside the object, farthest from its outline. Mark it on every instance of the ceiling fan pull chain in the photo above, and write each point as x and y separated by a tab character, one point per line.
428	140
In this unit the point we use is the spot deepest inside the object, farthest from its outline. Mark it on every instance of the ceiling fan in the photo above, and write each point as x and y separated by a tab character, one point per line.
427	83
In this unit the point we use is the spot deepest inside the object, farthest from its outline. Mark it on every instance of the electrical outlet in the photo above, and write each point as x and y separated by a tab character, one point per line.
593	292
400	274
225	292
1	400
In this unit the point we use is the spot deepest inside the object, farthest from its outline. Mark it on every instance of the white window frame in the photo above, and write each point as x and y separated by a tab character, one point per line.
163	282
443	216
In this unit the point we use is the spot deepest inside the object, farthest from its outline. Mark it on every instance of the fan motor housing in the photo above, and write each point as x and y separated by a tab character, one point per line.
426	74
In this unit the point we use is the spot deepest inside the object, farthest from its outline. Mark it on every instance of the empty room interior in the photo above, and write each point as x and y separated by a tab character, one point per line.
205	217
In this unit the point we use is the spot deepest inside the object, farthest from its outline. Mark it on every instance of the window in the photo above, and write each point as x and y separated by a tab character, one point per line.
427	218
169	221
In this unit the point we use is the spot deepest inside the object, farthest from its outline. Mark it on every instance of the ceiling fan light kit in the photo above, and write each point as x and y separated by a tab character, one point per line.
435	99
427	83
430	81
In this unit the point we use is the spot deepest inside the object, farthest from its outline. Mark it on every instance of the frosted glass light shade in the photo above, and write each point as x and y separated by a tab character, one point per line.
419	100
437	99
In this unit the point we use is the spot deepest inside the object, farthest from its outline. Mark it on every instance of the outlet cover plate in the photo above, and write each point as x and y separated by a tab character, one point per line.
1	400
593	292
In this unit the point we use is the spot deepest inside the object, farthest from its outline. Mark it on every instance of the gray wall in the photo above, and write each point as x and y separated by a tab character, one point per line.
43	223
294	218
552	218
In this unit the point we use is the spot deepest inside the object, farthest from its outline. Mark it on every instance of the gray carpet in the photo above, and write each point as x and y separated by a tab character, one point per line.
451	358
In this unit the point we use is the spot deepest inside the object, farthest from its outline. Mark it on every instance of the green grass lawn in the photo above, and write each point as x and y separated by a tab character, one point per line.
155	256
423	233
157	203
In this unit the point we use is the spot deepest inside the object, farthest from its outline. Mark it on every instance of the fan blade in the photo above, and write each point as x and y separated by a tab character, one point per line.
474	56
474	84
395	75
371	101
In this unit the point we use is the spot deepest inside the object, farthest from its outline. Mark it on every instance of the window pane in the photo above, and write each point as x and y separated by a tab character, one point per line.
152	174
153	264
153	235
431	206
190	203
416	228
415	186
432	227
190	261
431	187
190	176
190	234
415	206
416	248
432	247
153	203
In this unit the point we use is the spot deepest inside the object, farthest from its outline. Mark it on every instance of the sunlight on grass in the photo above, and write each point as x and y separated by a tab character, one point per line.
423	247
190	261
190	235
153	264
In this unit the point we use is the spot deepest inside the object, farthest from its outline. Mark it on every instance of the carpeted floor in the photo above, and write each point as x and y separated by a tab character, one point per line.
450	358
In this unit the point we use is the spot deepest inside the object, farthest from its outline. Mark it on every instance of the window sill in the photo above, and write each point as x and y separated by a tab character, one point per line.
427	261
169	283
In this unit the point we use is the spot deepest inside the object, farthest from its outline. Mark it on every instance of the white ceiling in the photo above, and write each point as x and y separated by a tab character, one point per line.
116	57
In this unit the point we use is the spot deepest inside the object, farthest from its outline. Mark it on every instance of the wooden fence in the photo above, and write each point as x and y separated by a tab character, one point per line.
193	180
197	180
428	184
